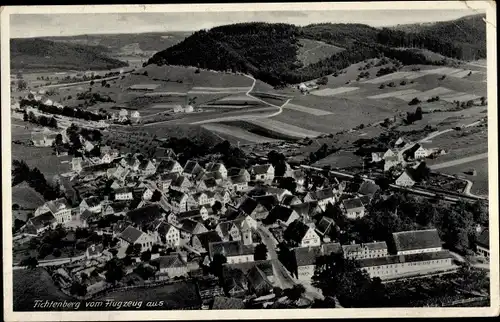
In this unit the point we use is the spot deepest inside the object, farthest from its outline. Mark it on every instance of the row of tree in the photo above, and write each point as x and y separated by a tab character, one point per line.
35	179
40	120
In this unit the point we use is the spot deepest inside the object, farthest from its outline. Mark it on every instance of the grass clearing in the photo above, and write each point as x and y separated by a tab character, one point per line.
395	94
307	110
393	77
42	158
284	128
238	133
312	51
333	91
480	180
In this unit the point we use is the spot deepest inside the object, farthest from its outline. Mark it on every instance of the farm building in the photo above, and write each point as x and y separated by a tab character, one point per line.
43	138
405	179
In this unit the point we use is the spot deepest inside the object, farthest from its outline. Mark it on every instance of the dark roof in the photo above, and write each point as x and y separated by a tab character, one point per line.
484	239
306	255
368	188
261	169
230	248
248	205
325	225
296	231
306	208
329	248
396	259
131	234
280	212
145	215
258	280
189	225
192	167
210	183
171	261
288	199
266	266
86	215
208	237
166	165
168	176
176	195
235	171
416	239
238	179
413	149
365	200
177	182
214	166
188	214
268	201
42	220
226	303
92	201
350	186
123	190
322	194
352	203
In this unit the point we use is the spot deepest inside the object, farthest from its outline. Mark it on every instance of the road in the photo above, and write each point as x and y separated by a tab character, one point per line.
81	83
459	161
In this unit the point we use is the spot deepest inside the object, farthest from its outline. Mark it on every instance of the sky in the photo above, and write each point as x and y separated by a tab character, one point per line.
38	25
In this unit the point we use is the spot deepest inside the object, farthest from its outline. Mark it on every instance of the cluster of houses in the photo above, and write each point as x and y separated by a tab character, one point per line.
123	116
200	211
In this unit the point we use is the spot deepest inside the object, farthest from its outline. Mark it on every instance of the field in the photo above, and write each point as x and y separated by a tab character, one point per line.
341	160
308	110
312	51
333	91
237	134
480	180
26	197
31	285
285	129
42	158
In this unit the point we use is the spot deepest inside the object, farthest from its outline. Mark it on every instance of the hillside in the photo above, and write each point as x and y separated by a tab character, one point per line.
36	53
463	38
274	53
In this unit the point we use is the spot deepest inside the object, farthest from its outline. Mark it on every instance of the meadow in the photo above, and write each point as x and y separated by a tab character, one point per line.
312	51
480	180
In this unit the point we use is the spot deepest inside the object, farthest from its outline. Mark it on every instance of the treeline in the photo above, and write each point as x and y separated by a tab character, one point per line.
65	111
40	120
35	179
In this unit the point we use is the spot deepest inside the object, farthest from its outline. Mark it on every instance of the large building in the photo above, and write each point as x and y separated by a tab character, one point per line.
417	241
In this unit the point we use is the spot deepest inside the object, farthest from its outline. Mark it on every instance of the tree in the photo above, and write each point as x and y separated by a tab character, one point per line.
21	85
418	113
59	139
91	83
322	81
295	292
114	271
156	196
260	252
289	184
327	303
483	101
216	207
103	83
146	256
56	252
30	262
216	266
414	101
78	289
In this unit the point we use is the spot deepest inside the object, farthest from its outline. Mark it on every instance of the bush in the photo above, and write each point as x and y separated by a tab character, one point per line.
414	101
322	81
197	71
382	86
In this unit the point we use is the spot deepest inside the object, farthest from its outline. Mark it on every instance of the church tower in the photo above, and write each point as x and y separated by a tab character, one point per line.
246	232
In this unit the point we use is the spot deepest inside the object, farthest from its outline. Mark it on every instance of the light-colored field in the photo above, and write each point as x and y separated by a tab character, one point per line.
308	110
461	97
393	76
395	94
164	106
237	132
156	94
41	158
423	96
284	128
242	98
313	51
333	91
410	75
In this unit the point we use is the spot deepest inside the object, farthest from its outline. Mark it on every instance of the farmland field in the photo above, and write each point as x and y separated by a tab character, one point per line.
42	158
284	128
341	160
307	110
480	180
333	91
31	285
237	133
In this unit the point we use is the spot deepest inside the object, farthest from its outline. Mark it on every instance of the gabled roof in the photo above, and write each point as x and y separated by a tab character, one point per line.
131	234
416	239
188	214
230	248
192	167
166	165
306	208
168	176
305	256
365	200
214	166
368	188
296	231
325	225
92	201
171	261
179	181
212	175
289	199
57	204
409	174
208	237
226	303
238	179
235	171
42	220
248	205
409	258
268	201
266	266
86	215
331	248
225	227
123	190
176	196
261	168
258	280
144	215
163	228
322	194
189	225
353	203
210	183
144	163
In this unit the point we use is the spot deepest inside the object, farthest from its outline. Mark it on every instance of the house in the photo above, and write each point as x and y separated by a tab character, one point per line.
121	173
59	208
406	179
190	227
231	172
299	177
119	208
238	183
181	183
368	188
325	226
353	208
197	200
406	265
323	197
263	172
201	213
189	109
264	205
483	244
133	236
168	235
38	224
172	266
301	234
124	194
349	187
144	215
290	200
391	162
192	169
135	116
222	196
305	261
234	251
123	113
207	184
93	204
43	138
389	154
169	166
399	142
377	157
164	181
215	175
76	164
149	190
278	192
227	303
229	230
203	240
178	200
281	215
217	167
307	210
258	283
147	167
417	241
130	162
366	250
94	251
417	151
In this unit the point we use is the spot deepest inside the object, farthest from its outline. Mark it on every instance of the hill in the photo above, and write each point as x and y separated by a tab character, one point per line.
273	54
36	53
463	38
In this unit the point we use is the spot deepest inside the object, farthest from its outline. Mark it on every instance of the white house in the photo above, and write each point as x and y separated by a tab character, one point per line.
132	236
93	204
59	208
123	194
217	167
169	235
303	235
189	109
405	179
263	172
323	197
353	208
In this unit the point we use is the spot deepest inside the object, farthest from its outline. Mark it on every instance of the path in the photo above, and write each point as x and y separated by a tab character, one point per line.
459	161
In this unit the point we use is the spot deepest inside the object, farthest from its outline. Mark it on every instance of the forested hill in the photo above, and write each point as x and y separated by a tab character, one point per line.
35	53
269	51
